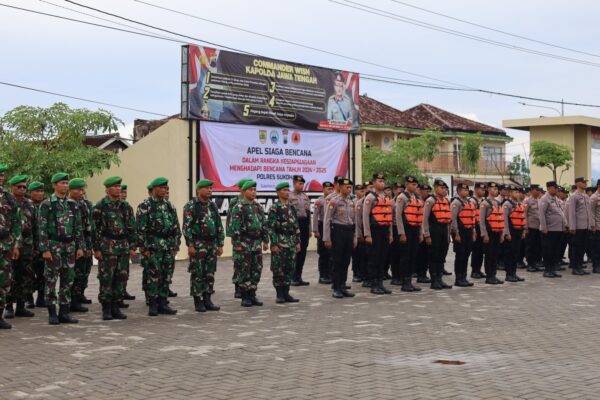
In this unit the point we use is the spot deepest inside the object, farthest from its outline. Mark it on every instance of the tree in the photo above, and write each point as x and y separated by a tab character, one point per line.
518	168
401	160
39	142
553	156
470	152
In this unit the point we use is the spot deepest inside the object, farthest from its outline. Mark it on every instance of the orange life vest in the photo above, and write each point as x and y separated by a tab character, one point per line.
517	217
476	217
467	215
441	210
413	212
496	218
381	213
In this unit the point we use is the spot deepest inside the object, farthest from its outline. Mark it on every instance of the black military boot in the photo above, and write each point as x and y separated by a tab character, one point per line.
345	292
385	290
375	288
64	317
163	307
52	317
423	279
21	311
237	294
9	312
116	311
84	300
406	285
446	273
367	283
30	302
279	299
210	306
40	301
172	293
288	298
444	284
153	307
128	296
435	281
107	312
253	299
3	323
199	304
76	305
122	304
246	302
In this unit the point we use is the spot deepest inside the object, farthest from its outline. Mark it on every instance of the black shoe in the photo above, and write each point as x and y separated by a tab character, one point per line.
172	293
238	293
357	279
107	312
302	283
84	300
122	304
463	283
64	317
435	285
21	311
30	303
366	283
519	279
520	265
579	271
396	282
323	281
346	293
559	268
551	274
246	302
295	283
210	306
116	311
423	279
52	317
163	307
511	278
76	306
286	295
407	287
478	275
128	296
153	307
446	273
3	323
199	304
253	299
9	312
40	301
385	290
279	296
531	268
375	289
493	281
337	294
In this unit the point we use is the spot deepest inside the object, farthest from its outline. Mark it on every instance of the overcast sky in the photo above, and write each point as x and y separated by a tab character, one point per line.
144	73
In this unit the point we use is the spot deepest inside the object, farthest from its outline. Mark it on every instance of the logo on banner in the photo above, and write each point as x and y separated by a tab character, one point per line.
274	137
262	136
296	137
285	136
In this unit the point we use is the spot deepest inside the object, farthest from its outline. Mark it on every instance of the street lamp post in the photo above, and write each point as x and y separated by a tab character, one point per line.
560	112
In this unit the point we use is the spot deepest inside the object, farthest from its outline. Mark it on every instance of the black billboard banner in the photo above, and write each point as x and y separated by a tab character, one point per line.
224	86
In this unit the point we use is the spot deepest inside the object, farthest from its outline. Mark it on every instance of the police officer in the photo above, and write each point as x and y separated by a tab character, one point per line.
232	202
533	239
422	263
359	192
463	232
595	228
377	230
491	223
580	221
340	107
360	237
477	252
317	226
562	197
37	194
504	195
409	221
514	232
552	226
436	224
339	234
126	295
300	201
284	234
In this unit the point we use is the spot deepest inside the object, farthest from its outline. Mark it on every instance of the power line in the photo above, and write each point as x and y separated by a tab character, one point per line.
390	15
495	29
80	99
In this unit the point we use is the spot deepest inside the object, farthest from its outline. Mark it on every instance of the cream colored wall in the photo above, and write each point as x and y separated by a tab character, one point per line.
562	134
583	154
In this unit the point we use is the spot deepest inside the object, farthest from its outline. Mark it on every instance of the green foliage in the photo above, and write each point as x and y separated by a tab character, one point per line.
39	141
518	167
470	152
553	156
402	158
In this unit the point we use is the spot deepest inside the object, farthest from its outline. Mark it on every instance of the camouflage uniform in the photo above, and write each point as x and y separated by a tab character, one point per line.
203	230
10	237
23	273
38	261
61	233
284	232
114	236
83	265
234	200
159	233
248	233
143	258
130	211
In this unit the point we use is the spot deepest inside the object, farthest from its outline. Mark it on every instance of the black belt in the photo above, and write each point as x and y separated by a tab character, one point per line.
204	239
61	239
343	227
114	237
162	235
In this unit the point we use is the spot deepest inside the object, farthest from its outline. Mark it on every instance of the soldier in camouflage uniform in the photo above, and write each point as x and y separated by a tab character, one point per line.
23	274
83	265
284	232
114	243
144	259
126	295
247	232
37	194
204	236
158	234
171	293
10	241
61	243
232	202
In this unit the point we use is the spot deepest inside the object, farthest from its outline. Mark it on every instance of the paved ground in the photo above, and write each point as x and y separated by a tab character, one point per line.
535	340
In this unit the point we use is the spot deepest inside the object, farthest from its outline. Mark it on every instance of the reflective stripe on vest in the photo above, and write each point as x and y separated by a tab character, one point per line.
517	217
441	210
467	215
496	219
413	212
381	213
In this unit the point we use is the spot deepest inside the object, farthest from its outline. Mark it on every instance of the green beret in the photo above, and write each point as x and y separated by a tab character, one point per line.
17	179
149	186
112	181
35	185
249	184
160	181
123	186
59	176
241	182
202	183
282	185
3	167
77	183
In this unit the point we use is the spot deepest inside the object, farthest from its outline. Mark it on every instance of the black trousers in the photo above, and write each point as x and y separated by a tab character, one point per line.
490	252
477	252
533	246
462	251
408	253
363	260
342	238
438	249
514	248
301	256
595	243
324	255
578	243
394	254
551	248
378	253
422	263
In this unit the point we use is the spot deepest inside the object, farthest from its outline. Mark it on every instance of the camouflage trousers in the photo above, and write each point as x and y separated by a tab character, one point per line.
144	265
160	270
40	281
5	276
249	268
61	269
202	268
236	268
83	267
112	276
23	277
283	265
126	277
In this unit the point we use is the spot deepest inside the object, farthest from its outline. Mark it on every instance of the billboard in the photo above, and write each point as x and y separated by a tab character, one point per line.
269	155
224	86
